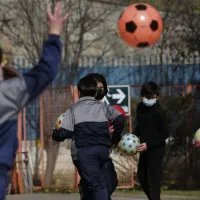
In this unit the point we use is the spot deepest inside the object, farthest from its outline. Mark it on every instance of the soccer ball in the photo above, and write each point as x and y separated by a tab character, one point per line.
197	137
140	25
128	144
59	121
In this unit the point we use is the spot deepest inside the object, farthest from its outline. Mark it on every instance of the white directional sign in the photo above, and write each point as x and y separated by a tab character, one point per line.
119	95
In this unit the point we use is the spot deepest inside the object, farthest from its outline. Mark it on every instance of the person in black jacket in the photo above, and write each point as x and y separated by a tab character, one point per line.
153	131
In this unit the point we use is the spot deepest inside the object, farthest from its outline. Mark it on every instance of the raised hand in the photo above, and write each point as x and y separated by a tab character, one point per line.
56	20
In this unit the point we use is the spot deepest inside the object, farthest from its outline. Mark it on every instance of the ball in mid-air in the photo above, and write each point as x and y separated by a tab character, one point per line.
140	25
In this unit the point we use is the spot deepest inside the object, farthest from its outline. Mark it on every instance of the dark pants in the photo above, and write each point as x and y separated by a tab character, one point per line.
91	160
3	182
150	171
110	177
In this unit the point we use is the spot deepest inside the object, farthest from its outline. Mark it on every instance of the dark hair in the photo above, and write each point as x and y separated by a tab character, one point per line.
1	55
149	89
87	86
99	78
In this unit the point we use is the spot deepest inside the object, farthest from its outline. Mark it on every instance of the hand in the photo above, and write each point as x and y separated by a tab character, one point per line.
55	19
197	145
111	130
142	147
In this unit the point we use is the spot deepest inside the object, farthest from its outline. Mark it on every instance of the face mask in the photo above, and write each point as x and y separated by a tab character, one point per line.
149	102
100	94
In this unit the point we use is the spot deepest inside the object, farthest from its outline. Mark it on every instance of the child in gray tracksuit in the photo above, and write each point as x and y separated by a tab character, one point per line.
87	122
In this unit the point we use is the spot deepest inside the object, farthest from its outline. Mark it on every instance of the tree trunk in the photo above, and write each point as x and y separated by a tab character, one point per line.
36	178
55	103
52	153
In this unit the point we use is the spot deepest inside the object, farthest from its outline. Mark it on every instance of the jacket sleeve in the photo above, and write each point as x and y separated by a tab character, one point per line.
66	130
136	130
45	71
15	93
117	120
162	129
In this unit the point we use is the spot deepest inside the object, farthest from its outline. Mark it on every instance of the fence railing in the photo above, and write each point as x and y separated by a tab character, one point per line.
34	131
22	64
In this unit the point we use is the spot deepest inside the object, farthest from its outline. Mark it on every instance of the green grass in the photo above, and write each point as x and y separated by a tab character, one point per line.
181	193
132	192
189	193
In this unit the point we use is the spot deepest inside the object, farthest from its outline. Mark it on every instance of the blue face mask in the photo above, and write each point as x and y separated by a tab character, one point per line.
149	102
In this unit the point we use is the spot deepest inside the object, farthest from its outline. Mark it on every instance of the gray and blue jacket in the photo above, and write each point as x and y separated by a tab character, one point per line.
17	92
86	122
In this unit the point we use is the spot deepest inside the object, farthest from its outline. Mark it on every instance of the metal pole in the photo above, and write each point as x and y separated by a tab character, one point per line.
19	155
42	139
132	160
24	129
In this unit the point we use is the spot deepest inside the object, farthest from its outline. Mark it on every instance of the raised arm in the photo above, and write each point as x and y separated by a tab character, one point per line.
15	93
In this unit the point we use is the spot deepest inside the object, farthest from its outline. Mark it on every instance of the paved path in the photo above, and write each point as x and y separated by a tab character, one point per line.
76	197
57	197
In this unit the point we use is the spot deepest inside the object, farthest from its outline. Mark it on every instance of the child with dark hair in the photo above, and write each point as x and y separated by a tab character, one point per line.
87	123
87	86
108	171
102	85
153	131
